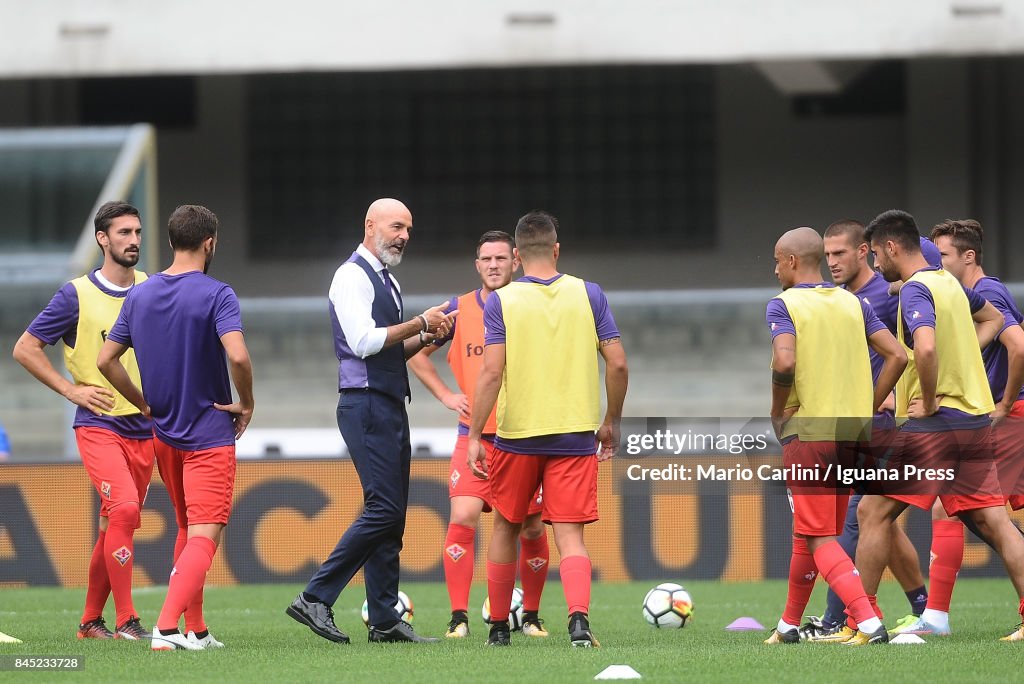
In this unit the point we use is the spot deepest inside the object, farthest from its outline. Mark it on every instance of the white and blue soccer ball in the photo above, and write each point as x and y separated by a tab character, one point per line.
668	606
515	610
403	609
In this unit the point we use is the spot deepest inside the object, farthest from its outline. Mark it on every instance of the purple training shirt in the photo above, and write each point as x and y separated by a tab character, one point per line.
994	355
569	444
876	293
175	323
59	321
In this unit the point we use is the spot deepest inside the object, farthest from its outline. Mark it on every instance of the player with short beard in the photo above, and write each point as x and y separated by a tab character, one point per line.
945	400
114	438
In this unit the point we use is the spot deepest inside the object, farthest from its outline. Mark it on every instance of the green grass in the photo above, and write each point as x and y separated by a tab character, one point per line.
264	645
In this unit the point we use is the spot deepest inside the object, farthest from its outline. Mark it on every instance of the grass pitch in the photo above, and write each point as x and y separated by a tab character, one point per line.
264	645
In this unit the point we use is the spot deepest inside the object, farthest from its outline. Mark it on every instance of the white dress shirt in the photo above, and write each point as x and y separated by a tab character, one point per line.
352	296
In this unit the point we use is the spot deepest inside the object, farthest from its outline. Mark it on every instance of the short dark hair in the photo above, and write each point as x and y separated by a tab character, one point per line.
535	232
851	228
189	225
494	236
965	234
895	225
109	211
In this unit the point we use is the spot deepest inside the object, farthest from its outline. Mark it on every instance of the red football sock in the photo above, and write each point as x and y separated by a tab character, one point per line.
194	621
575	573
802	573
119	552
533	569
187	579
501	580
180	541
99	582
837	569
1020	608
873	600
947	556
458	559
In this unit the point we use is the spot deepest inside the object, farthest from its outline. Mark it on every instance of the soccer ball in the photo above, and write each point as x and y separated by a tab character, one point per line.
668	606
403	609
515	610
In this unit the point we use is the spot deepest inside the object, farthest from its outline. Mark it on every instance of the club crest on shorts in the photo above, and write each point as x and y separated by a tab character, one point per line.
536	563
122	555
105	489
455	478
455	552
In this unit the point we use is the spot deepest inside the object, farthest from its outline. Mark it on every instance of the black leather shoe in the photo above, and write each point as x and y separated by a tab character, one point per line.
318	617
401	631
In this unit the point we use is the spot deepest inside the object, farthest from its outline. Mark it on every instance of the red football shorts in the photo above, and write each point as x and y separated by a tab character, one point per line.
569	482
462	481
120	468
969	454
200	483
819	507
1008	439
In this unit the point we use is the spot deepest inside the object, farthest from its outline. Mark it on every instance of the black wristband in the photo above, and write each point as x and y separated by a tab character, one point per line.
783	379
